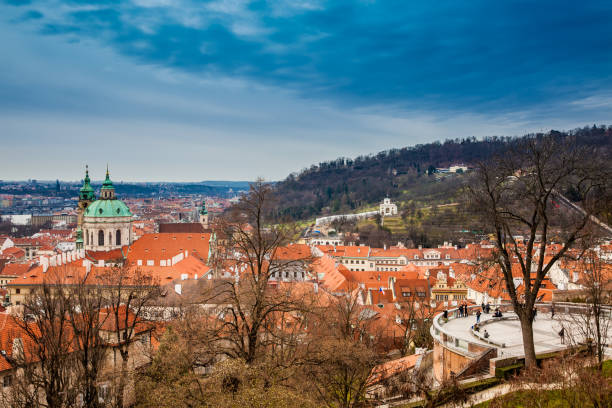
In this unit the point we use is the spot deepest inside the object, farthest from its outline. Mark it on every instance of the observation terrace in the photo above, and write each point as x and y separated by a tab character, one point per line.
463	352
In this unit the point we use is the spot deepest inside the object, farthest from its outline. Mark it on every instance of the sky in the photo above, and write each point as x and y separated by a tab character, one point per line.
185	90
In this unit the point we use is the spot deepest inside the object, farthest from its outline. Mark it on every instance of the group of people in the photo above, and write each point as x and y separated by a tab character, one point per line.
463	310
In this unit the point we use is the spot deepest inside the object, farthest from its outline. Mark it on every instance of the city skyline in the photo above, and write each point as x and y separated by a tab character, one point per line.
233	90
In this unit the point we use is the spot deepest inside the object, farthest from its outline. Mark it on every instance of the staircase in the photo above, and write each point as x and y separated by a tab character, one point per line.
478	367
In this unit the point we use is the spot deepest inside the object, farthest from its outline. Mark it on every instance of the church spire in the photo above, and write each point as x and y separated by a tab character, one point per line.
108	190
86	193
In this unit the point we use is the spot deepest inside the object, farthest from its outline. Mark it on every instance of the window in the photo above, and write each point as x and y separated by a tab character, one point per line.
102	393
100	237
118	238
17	291
406	294
421	294
7	380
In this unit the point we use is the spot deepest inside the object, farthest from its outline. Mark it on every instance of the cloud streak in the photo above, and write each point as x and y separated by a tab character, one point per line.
277	85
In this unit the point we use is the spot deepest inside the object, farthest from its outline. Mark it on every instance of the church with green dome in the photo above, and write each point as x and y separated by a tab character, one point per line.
104	223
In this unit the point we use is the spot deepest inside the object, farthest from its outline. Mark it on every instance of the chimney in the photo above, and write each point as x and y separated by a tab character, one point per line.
385	246
420	247
392	287
178	288
44	262
315	287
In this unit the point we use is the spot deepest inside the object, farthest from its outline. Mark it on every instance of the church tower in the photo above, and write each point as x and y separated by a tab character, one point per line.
107	222
204	215
108	190
86	197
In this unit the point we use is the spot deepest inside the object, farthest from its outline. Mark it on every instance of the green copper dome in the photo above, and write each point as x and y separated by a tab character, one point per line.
203	210
108	208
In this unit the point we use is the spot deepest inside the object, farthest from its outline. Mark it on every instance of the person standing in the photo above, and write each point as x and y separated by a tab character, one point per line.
488	308
552	311
562	335
478	316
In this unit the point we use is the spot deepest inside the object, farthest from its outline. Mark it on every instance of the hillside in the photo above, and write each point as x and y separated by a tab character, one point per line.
405	175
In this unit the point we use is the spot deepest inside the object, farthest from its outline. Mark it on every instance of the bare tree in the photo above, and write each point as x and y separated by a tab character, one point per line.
519	194
345	355
86	322
128	292
43	345
419	383
254	254
415	318
568	381
591	324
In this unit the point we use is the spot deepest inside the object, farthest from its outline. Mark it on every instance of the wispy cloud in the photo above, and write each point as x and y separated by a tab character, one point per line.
280	84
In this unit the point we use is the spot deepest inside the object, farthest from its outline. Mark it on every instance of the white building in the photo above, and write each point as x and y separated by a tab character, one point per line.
387	207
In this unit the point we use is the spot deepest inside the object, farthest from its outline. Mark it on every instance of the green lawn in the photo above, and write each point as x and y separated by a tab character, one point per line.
547	398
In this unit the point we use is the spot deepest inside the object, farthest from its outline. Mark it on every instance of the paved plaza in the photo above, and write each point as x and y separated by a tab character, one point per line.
545	333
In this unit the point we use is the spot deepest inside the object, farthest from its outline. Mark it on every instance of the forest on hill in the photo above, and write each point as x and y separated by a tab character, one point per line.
404	174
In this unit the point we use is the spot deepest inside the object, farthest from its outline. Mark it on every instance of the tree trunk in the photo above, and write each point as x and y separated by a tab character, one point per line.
122	381
528	345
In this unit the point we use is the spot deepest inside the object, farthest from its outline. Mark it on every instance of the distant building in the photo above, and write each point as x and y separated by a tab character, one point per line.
387	207
455	168
326	240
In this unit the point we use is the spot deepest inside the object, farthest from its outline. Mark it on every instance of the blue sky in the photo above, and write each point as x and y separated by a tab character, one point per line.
230	89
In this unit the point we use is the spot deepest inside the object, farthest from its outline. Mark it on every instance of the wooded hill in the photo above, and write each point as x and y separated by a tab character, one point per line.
405	174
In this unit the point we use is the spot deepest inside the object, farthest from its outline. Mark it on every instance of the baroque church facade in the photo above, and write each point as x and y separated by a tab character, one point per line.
104	223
